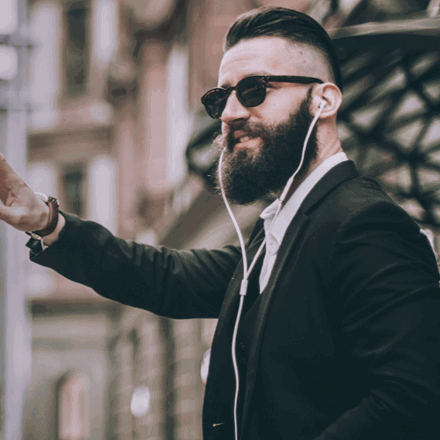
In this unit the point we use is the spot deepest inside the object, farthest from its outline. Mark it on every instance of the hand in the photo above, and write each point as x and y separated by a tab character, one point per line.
22	208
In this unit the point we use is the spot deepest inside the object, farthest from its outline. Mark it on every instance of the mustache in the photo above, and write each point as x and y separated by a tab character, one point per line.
251	129
218	142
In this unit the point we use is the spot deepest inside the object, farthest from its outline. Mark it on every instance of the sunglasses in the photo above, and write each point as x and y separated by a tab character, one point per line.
251	91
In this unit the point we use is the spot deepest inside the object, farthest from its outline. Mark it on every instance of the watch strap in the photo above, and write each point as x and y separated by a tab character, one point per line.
53	205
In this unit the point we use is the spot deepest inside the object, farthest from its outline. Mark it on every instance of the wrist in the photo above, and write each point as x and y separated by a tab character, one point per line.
52	221
50	232
53	237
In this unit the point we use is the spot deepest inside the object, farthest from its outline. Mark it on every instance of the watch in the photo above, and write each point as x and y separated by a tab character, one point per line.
53	205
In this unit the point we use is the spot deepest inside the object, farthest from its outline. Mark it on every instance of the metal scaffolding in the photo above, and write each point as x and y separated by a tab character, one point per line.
390	119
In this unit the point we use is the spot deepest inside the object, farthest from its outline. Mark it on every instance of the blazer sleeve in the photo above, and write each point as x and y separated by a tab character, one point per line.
176	284
389	318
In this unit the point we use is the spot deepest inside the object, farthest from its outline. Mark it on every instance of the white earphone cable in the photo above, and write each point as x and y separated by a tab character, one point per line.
246	271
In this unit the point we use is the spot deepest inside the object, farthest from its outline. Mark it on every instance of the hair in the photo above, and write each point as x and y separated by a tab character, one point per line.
286	23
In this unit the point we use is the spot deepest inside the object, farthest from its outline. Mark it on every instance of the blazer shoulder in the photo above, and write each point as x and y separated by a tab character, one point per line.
360	204
361	195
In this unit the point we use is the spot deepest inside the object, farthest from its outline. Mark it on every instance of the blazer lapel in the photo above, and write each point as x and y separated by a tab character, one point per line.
231	296
340	173
293	234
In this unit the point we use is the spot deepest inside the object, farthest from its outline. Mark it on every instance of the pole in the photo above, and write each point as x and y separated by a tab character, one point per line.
15	323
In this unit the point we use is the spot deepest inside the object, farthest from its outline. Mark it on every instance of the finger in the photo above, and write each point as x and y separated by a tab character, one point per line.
10	181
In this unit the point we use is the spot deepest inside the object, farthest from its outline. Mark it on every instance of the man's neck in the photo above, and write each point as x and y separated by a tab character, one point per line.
324	153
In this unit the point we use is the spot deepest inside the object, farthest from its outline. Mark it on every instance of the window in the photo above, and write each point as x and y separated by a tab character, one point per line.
73	189
76	49
179	123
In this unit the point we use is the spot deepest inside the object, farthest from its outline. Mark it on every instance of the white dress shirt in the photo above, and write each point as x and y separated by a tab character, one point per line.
287	214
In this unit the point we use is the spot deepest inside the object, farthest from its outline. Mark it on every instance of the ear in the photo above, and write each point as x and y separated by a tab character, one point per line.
329	97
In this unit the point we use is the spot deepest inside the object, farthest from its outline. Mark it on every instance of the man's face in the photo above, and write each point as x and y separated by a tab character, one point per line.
264	143
250	176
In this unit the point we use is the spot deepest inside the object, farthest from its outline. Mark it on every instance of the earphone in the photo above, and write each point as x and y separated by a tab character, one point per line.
247	270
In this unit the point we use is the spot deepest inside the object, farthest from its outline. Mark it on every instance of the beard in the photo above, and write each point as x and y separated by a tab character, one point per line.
251	176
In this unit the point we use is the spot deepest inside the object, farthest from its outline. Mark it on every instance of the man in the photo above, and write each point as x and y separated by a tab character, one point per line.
339	331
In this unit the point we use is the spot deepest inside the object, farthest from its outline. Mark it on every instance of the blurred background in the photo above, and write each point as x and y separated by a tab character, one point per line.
100	107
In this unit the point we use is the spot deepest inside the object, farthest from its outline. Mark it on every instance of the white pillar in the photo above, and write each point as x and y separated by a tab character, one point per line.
15	324
15	350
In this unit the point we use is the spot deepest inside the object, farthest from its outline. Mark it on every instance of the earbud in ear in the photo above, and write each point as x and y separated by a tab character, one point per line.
322	104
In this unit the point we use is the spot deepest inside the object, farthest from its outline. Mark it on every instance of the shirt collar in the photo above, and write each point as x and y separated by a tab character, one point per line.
290	209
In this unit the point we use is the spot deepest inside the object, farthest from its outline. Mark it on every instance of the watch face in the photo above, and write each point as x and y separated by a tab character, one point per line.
53	199
46	199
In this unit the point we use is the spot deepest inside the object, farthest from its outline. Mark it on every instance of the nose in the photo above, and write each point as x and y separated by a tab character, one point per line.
234	110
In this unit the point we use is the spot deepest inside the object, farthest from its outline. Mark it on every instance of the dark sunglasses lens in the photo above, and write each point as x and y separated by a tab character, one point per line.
251	91
215	102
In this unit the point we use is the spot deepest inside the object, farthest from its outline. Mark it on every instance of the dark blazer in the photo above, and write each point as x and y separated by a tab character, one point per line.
347	337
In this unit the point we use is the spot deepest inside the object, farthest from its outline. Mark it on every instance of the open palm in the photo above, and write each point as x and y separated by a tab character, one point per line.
21	208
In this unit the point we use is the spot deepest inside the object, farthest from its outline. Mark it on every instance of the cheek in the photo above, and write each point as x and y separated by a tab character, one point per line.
276	109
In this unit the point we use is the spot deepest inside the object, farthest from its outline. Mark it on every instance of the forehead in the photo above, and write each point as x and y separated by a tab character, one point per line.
263	56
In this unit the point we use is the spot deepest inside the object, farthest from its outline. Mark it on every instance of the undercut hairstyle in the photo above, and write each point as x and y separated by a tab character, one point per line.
292	25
